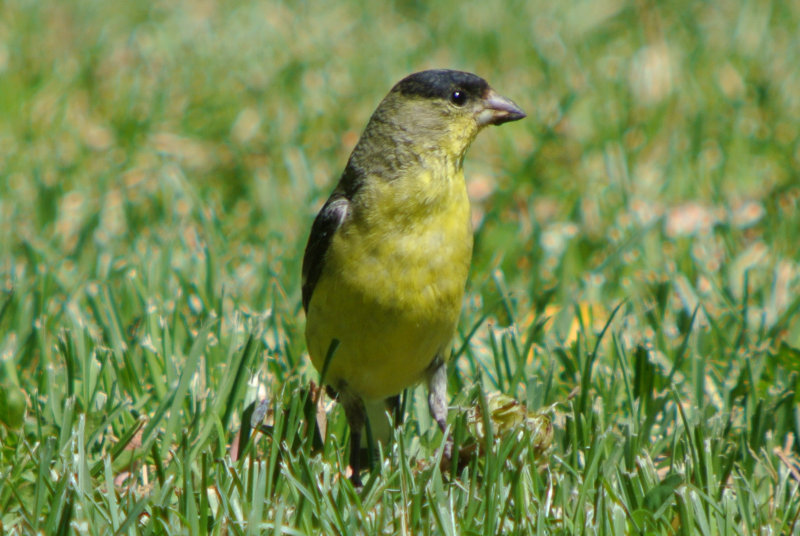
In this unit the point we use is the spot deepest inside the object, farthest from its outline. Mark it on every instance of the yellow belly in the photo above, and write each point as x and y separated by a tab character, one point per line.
391	293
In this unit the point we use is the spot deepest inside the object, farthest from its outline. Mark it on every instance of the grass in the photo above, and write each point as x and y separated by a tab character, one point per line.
628	355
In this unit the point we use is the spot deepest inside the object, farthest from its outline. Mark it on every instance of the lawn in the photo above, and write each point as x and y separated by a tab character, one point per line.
628	354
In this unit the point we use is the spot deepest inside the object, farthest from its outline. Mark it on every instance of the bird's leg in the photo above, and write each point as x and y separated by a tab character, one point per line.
437	398
356	415
396	409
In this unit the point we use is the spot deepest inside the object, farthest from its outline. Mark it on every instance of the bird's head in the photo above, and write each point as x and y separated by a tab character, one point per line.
442	110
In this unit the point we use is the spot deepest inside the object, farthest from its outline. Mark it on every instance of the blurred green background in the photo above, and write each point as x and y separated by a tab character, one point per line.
128	127
161	163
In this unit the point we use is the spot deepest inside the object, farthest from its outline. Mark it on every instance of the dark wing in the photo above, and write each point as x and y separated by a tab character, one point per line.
329	219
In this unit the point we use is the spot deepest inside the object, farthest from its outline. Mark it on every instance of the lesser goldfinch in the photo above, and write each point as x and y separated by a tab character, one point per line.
387	259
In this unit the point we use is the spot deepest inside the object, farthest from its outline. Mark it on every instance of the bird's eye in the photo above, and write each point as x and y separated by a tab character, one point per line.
458	98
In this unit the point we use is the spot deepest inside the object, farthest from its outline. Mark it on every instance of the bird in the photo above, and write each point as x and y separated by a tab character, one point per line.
388	255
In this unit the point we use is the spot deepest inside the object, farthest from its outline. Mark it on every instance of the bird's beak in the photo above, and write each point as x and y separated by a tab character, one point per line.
497	110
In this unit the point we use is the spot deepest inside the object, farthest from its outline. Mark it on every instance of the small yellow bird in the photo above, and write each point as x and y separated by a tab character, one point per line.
387	259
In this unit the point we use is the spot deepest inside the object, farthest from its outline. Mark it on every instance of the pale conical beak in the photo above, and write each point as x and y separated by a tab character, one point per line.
497	110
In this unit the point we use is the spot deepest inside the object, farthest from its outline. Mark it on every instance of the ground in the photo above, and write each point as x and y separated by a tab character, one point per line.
628	353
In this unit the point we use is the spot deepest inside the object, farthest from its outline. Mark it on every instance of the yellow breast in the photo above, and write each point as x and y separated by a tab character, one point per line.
392	285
